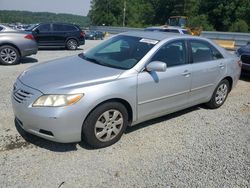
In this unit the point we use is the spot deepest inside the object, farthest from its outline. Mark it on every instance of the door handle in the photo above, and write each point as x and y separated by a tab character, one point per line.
186	73
222	65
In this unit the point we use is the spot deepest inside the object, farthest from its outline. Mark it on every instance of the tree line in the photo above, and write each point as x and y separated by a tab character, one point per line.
27	17
220	15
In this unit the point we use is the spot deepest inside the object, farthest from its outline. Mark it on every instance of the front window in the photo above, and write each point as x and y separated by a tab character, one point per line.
173	54
44	28
122	52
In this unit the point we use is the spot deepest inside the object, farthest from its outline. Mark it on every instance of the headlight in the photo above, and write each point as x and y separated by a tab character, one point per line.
57	100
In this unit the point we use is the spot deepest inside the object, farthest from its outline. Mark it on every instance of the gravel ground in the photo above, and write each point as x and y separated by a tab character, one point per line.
196	147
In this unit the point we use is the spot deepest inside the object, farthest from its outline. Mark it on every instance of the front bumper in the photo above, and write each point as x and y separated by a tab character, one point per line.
59	124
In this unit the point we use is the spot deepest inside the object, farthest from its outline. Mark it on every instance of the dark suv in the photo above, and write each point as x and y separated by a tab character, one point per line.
58	34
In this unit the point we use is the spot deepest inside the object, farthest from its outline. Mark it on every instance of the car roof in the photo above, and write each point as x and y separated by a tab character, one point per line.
156	35
56	23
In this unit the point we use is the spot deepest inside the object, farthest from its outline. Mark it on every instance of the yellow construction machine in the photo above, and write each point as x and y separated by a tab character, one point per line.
182	21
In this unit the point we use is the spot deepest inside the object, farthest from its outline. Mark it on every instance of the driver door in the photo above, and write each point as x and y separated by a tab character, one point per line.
164	92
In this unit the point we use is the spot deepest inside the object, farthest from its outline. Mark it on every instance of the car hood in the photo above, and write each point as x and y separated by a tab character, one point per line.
67	74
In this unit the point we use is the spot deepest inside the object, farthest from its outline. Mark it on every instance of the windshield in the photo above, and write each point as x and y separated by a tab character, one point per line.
122	52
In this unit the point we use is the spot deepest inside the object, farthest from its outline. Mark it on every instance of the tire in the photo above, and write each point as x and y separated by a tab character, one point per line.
99	130
71	44
220	95
9	55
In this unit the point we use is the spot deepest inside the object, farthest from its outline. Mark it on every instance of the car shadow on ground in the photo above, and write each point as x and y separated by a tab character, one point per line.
60	147
163	118
26	60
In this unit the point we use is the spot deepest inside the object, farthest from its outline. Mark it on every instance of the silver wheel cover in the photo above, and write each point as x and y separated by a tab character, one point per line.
72	44
108	125
221	94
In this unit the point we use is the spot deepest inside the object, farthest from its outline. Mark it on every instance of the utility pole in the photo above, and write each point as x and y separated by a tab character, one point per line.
124	13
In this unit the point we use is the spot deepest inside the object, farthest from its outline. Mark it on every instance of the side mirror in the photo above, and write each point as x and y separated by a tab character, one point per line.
157	66
245	58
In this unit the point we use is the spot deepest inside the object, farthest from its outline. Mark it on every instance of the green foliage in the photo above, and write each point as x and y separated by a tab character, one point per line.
202	21
211	15
239	26
38	17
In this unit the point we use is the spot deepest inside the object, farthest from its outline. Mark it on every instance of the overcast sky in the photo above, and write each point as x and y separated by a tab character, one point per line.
79	7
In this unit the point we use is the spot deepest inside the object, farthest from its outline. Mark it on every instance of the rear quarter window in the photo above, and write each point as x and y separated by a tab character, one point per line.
70	28
62	27
1	28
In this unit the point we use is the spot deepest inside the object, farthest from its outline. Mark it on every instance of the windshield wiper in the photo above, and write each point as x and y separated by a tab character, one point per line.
89	59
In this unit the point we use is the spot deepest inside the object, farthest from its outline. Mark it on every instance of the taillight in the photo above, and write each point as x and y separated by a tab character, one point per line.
31	37
82	34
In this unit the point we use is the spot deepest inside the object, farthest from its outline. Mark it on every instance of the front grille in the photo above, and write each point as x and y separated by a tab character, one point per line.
20	96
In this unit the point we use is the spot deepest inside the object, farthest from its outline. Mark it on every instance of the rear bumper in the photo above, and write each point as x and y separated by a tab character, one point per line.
28	52
29	48
81	42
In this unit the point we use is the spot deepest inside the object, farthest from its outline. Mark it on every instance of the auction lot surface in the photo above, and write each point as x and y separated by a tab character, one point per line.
196	147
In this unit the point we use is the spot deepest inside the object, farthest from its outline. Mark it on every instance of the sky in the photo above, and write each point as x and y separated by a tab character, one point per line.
78	7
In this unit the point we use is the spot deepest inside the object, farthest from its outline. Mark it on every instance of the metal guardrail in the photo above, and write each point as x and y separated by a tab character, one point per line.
240	39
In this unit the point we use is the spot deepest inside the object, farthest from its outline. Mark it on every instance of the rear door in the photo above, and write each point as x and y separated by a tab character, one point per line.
208	67
59	34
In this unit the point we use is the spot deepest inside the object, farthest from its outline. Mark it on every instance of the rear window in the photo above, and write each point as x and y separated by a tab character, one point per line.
1	28
62	27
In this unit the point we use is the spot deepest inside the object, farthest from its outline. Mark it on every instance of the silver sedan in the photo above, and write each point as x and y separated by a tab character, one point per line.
14	45
128	79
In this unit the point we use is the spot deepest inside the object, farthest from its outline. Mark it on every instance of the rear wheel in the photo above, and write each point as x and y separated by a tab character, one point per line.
9	55
71	44
219	96
105	125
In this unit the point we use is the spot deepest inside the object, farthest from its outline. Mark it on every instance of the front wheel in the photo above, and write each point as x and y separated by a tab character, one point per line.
71	44
105	125
220	95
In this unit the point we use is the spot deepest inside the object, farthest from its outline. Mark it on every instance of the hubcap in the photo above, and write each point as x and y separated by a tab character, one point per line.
72	44
8	55
221	94
108	125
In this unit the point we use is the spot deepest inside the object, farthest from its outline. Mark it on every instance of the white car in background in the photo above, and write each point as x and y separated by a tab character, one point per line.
168	29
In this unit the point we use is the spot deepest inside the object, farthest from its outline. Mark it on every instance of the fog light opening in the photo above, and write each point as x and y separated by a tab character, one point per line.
46	132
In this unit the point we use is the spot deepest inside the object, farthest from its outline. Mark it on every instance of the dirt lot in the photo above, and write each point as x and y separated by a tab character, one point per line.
196	147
